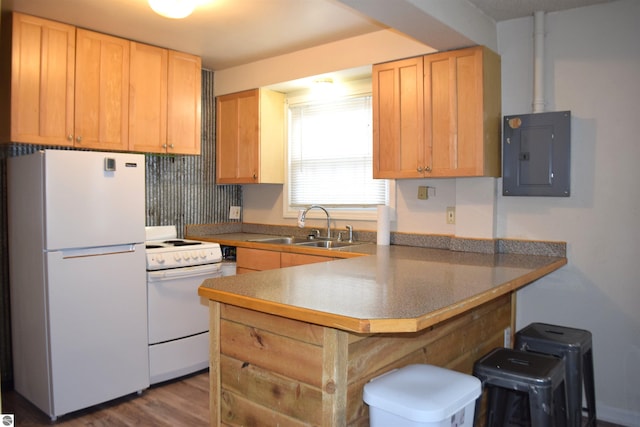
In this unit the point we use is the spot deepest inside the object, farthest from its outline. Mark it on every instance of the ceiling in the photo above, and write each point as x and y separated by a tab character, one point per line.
228	33
502	10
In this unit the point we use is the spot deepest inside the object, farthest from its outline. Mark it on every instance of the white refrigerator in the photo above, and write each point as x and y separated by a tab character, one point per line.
77	277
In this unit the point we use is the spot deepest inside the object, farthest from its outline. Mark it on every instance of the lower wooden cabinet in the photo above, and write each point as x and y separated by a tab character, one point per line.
249	259
288	259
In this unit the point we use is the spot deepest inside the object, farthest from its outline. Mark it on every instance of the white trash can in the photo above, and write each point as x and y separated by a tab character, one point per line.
422	396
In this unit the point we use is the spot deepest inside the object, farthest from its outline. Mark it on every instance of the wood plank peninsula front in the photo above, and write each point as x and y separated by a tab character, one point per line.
295	346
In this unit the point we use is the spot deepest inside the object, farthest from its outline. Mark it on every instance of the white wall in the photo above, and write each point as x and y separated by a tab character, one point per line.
593	69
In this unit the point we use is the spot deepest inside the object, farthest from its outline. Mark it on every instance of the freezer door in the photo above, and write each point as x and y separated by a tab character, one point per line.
97	326
93	198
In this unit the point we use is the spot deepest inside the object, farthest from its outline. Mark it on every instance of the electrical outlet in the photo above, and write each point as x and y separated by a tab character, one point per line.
234	212
423	192
451	214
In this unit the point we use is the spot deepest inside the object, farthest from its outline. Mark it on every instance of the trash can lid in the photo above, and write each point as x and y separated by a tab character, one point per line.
423	393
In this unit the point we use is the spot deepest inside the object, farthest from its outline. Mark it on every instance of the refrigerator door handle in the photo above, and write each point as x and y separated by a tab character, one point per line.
98	251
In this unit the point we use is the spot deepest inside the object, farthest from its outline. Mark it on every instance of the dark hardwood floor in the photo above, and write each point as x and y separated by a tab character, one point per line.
183	402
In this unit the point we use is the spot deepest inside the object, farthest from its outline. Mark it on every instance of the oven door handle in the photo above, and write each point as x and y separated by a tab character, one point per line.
208	270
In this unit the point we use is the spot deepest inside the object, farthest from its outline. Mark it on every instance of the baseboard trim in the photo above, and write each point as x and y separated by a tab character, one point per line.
619	416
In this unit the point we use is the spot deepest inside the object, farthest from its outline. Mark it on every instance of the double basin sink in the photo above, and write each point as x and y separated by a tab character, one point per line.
317	242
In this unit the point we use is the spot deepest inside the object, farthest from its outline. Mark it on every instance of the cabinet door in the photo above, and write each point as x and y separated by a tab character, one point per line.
148	98
462	113
398	117
288	259
42	81
237	150
184	103
256	259
102	91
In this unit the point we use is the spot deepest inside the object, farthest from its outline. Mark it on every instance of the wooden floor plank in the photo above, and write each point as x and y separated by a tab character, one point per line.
182	402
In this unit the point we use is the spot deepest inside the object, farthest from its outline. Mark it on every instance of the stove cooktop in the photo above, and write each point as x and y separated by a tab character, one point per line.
164	250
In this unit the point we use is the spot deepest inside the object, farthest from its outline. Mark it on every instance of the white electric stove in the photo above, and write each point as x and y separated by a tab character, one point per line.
178	317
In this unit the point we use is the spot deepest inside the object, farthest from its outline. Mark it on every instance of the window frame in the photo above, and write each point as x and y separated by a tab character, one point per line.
353	88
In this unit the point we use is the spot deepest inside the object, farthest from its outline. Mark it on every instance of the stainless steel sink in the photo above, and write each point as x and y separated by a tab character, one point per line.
327	244
318	242
282	240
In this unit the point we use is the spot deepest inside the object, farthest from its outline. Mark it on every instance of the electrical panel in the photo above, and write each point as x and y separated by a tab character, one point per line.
537	154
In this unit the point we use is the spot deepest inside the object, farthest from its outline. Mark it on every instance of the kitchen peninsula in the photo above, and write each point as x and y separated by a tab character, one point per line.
295	346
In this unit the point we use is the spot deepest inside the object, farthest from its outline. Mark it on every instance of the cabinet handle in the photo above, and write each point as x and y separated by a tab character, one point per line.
427	169
70	137
164	145
419	168
78	139
170	145
255	176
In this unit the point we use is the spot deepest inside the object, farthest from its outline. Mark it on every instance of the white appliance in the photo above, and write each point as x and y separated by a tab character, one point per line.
77	277
178	317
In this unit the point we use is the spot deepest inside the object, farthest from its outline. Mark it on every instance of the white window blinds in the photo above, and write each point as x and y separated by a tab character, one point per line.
330	154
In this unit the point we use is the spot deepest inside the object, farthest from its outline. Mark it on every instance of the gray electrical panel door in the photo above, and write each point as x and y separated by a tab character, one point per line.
537	154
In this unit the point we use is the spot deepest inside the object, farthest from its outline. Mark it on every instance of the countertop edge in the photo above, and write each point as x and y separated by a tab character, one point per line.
432	318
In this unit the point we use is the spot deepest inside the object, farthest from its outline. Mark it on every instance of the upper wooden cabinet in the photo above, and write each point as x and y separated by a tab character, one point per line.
165	101
101	118
250	137
398	119
148	98
438	115
73	87
37	81
184	95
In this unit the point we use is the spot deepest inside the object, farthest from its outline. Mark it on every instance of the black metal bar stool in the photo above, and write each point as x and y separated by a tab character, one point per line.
511	376
574	346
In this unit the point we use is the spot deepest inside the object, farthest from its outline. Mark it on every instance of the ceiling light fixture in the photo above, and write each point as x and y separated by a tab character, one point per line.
327	81
323	88
176	9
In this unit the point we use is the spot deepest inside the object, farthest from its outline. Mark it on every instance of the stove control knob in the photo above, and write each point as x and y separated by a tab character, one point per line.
177	256
160	259
194	255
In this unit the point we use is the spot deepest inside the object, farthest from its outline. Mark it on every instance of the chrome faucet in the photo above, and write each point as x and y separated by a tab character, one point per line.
304	214
350	230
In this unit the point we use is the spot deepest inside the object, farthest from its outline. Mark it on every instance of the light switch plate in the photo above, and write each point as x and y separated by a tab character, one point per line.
423	192
234	212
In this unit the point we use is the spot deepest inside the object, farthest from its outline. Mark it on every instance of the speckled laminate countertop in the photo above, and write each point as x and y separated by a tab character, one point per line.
389	289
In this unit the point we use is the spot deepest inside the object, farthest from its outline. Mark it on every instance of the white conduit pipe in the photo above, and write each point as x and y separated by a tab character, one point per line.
538	64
